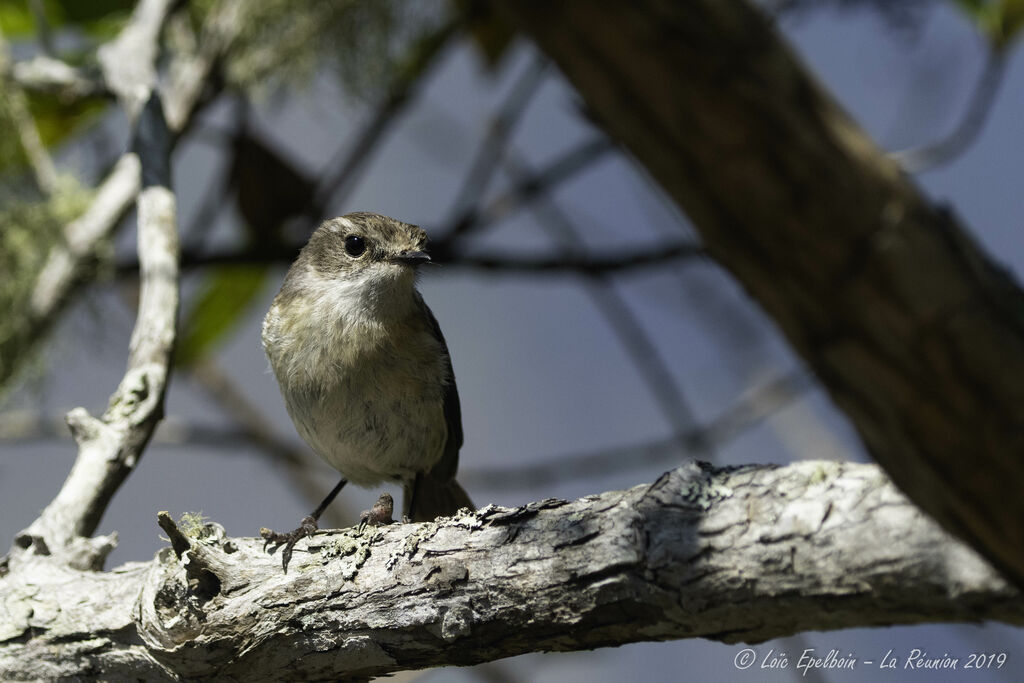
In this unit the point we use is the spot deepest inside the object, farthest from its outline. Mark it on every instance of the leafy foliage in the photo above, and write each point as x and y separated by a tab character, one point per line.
29	228
99	19
999	20
285	42
58	121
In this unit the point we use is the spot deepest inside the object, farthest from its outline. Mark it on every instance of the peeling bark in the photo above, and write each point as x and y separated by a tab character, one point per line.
731	554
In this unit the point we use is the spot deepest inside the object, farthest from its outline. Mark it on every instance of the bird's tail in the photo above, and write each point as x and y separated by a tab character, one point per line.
429	498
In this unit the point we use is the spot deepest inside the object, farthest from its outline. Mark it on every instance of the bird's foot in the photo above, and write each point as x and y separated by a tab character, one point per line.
379	514
307	527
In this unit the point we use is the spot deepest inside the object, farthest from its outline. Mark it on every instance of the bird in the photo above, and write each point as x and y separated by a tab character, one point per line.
364	369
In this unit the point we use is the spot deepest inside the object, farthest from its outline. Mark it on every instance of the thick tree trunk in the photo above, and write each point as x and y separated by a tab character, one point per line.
916	334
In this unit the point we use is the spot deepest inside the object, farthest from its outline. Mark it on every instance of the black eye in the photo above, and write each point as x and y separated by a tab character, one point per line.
355	245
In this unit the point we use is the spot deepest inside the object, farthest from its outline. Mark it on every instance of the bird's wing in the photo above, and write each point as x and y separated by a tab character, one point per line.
445	468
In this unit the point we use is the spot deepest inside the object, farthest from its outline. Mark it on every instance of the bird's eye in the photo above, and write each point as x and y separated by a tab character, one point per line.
355	246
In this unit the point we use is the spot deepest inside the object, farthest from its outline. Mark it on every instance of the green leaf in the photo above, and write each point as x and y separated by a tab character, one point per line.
222	304
284	43
98	18
998	20
78	12
16	18
1013	18
57	120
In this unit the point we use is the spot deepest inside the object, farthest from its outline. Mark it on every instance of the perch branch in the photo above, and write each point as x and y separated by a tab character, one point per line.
731	554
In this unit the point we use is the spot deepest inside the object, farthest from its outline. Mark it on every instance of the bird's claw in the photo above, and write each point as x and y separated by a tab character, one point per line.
307	527
379	514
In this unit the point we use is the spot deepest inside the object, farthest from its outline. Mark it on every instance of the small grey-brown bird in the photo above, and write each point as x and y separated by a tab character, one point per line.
364	369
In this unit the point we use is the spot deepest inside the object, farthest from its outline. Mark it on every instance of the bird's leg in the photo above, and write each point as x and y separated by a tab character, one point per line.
409	498
307	527
379	514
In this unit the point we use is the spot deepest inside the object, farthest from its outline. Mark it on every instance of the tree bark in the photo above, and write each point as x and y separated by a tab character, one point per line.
732	554
916	334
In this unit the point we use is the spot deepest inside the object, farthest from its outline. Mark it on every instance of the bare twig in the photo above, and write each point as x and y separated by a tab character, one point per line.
754	406
129	61
13	98
189	74
569	264
527	188
66	262
30	426
351	159
109	447
50	76
492	150
616	310
578	263
751	408
927	157
179	543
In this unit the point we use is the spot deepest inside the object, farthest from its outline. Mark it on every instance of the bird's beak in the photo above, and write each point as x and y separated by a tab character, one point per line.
412	258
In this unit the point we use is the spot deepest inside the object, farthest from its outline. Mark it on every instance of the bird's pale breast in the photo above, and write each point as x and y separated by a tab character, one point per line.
369	402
